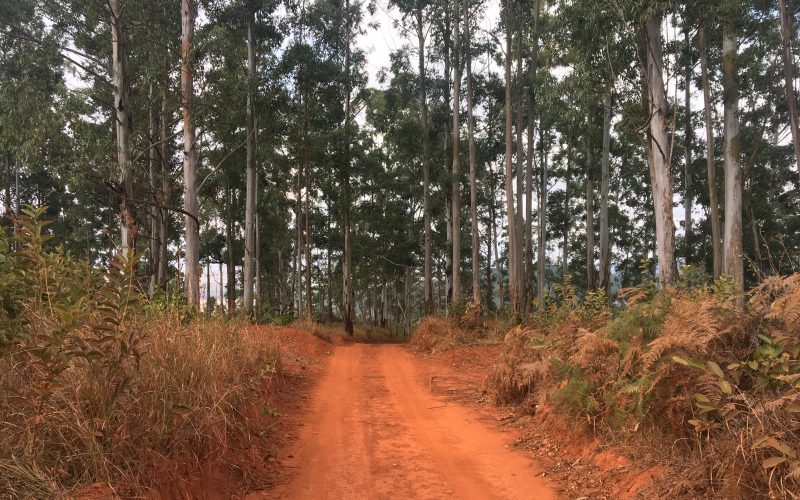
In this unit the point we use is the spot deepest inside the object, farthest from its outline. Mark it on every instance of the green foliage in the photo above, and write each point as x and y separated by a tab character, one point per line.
576	396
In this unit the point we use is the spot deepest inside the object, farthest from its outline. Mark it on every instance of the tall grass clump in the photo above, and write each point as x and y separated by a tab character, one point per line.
98	386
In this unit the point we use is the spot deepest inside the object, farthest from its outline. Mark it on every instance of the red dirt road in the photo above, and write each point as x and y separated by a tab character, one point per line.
375	431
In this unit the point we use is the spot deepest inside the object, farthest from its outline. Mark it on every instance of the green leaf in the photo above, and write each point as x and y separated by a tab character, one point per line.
689	362
725	387
715	369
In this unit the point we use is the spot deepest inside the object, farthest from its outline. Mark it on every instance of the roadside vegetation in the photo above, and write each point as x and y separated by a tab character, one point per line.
715	389
101	385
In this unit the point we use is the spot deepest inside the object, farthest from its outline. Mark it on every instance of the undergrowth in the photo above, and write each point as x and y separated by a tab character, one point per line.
466	324
717	387
101	386
721	384
364	333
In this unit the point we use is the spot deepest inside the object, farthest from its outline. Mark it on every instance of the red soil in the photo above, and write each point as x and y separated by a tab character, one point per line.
375	430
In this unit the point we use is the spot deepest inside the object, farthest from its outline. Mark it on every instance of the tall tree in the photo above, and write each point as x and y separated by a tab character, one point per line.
688	139
786	18
605	241
456	140
250	190
347	295
590	270
732	237
123	121
513	242
428	305
473	165
190	204
711	172
658	150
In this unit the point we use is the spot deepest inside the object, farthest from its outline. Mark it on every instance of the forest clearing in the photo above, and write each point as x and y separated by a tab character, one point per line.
399	249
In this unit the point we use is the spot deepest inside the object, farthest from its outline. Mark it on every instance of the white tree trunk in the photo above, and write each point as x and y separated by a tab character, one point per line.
511	227
123	126
190	204
456	186
605	241
250	193
659	149
716	238
732	237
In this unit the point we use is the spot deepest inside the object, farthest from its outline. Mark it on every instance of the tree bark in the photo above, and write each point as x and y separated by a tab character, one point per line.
155	212
250	189
716	239
428	305
590	272
659	149
533	65
473	169
166	193
689	133
231	267
567	218
190	204
123	125
347	306
788	75
732	237
542	270
519	91
513	245
456	177
605	241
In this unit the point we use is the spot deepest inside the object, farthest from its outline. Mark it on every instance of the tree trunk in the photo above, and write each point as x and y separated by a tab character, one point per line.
407	302
166	192
347	306
521	257
540	280
533	65
513	245
687	169
659	149
567	218
309	262
473	169
155	212
788	75
498	262
221	288
605	242
428	305
192	276
732	237
716	239
229	236
123	125
456	179
590	273
250	189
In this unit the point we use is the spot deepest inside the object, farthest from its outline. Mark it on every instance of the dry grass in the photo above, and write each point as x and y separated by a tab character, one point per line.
715	389
186	401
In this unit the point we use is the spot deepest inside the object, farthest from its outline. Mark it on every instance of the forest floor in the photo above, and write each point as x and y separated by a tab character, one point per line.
380	421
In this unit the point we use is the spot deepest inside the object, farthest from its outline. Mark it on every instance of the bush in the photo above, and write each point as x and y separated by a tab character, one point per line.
682	363
101	386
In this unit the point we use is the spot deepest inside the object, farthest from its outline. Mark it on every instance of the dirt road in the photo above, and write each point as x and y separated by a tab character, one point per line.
376	431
